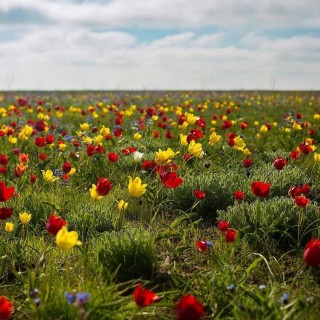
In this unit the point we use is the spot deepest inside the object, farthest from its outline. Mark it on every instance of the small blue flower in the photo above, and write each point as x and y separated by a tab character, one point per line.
82	298
209	243
285	298
71	298
231	287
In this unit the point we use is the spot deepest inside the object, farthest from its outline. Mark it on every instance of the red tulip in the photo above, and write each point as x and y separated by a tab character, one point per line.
239	195
189	308
295	155
40	125
3	170
200	195
223	225
99	149
247	163
305	189
311	253
260	189
40	142
33	179
231	235
5	192
294	191
103	187
54	224
66	167
50	139
301	201
90	150
170	179
117	133
113	157
5	213
144	297
279	163
203	245
42	156
4	159
6	308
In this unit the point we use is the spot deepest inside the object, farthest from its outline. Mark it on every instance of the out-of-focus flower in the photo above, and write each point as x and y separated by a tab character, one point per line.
122	205
144	297
48	176
189	308
54	224
6	308
203	245
200	195
5	192
5	213
137	156
9	227
311	255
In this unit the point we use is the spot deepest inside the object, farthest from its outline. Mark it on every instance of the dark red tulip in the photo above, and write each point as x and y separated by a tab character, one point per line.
231	235
247	163
200	195
239	195
91	150
223	225
5	213
295	155
103	187
5	192
66	167
4	159
170	179
6	308
54	224
301	201
40	141
279	163
311	255
113	157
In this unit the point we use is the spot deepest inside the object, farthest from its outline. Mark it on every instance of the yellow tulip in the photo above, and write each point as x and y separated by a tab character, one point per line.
238	143
66	240
163	157
183	139
84	126
316	157
196	149
9	227
25	217
214	138
93	193
136	189
48	176
263	128
72	172
122	205
137	136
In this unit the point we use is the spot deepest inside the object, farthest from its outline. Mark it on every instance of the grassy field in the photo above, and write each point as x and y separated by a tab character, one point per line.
159	205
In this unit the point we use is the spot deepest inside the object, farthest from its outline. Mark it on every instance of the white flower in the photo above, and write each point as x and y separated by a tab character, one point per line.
137	156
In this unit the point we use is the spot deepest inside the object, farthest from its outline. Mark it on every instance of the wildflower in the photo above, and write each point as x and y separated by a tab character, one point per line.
170	179
279	163
9	227
48	176
25	217
137	136
200	195
189	308
247	163
295	155
113	157
223	225
301	201
5	192
196	149
6	308
103	187
72	172
4	159
137	156
77	299
311	255
136	188
239	195
144	297
260	189
54	224
214	138
162	157
5	213
122	205
33	179
203	245
93	193
66	240
316	157
231	235
66	167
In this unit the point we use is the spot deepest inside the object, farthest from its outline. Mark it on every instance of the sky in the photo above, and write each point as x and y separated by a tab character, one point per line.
159	45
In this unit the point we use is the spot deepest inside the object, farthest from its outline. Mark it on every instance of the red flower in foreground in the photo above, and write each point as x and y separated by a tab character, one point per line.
6	308
311	255
144	297
5	213
170	179
5	192
301	201
231	235
54	224
279	163
103	187
189	308
260	189
200	195
223	225
239	195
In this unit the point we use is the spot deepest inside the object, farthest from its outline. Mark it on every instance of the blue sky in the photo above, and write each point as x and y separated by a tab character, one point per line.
159	44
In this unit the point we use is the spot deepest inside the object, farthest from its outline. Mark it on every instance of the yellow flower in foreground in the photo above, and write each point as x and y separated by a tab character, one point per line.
239	143
316	157
93	193
25	217
122	205
183	139
136	189
66	240
9	227
48	176
162	157
196	149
